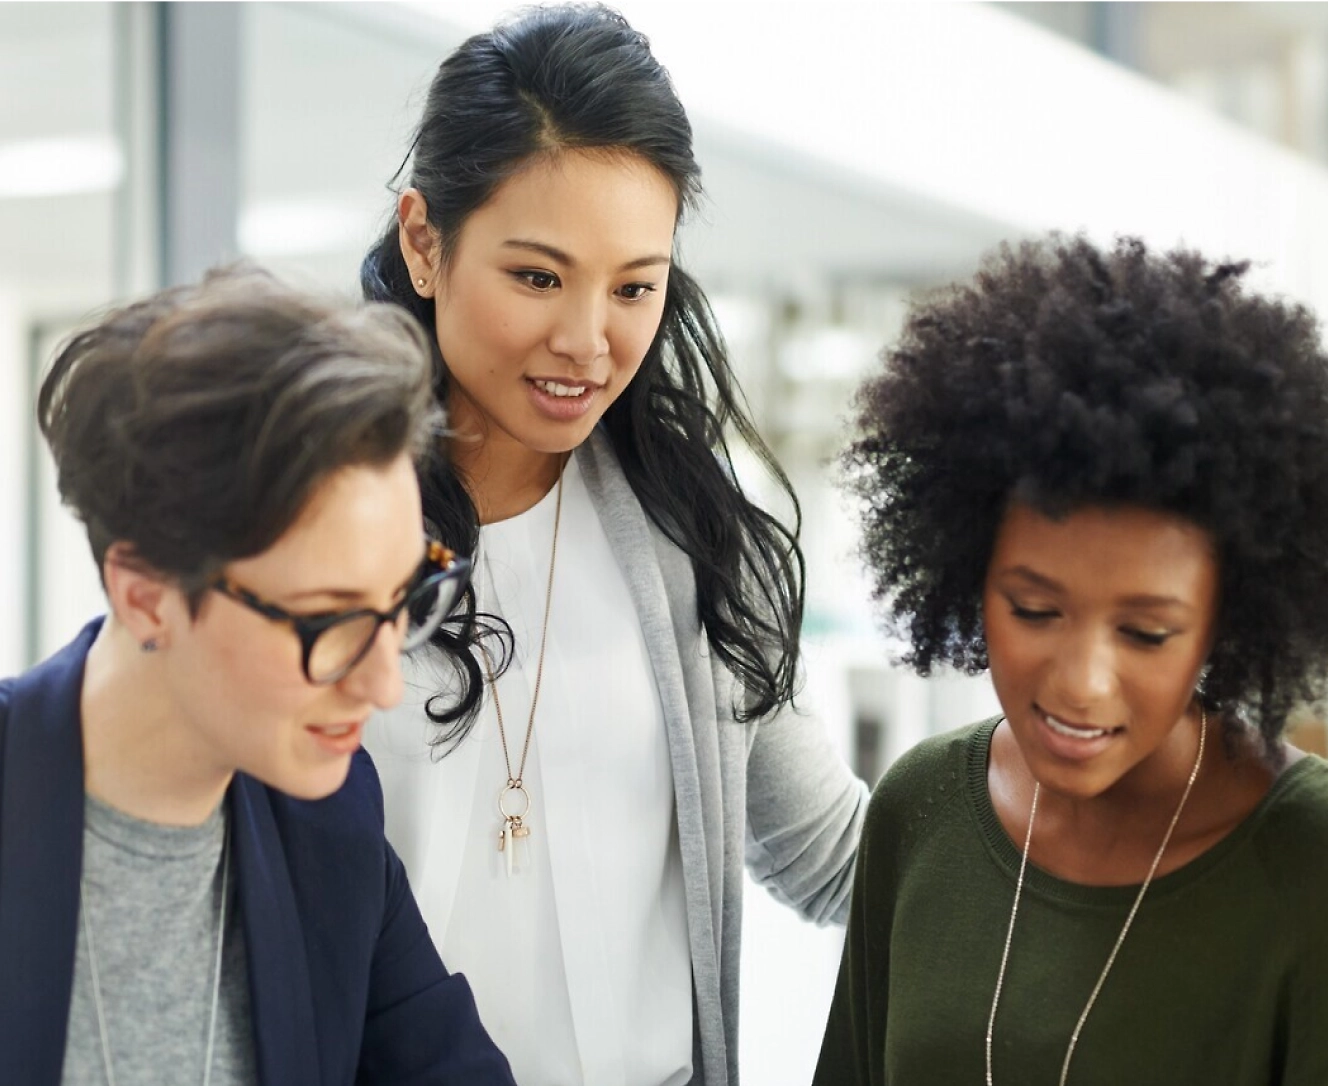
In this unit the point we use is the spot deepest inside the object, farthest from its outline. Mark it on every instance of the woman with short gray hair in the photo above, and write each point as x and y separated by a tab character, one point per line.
194	882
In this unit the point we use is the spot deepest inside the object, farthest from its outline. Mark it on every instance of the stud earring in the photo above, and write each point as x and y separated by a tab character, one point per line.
420	282
150	645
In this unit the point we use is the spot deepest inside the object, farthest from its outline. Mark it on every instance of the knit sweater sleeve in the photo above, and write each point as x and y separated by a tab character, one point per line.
901	814
1291	846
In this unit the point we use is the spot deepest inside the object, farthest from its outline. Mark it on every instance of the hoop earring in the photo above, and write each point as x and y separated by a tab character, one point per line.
1202	680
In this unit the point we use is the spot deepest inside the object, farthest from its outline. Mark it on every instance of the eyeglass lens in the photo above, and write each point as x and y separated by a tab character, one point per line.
340	647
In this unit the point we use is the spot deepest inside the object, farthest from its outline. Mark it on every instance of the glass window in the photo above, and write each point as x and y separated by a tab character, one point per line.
329	97
62	172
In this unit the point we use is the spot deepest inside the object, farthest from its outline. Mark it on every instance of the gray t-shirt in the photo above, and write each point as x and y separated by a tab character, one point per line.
151	897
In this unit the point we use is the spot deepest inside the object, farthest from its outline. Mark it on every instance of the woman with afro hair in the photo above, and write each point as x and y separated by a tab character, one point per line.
1102	475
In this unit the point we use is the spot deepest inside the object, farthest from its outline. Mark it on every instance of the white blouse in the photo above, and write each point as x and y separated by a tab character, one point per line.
579	960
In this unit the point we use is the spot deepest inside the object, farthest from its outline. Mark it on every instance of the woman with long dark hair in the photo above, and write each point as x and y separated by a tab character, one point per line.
587	766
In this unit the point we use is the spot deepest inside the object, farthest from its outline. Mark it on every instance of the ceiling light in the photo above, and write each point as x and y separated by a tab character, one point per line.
60	166
279	228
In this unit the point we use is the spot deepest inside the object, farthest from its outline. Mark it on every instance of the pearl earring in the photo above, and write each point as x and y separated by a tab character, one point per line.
420	282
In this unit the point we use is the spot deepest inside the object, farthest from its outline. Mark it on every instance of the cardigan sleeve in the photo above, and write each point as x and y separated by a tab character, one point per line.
805	810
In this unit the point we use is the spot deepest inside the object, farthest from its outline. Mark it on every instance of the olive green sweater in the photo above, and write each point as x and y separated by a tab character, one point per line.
1222	980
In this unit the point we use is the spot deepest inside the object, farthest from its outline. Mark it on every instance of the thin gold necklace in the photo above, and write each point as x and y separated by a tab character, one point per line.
1111	958
513	794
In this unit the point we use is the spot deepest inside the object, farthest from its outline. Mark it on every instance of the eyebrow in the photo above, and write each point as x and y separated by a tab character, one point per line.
567	260
344	595
349	595
1142	599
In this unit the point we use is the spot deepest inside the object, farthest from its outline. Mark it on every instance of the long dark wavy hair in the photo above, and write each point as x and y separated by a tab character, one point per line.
578	76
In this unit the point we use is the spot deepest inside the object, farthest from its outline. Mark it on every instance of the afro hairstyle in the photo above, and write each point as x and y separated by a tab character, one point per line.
1066	375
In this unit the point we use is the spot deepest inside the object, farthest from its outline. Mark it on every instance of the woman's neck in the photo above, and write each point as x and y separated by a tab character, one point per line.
138	755
1112	838
503	477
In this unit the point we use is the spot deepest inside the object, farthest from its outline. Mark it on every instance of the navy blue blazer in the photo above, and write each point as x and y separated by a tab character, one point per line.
345	983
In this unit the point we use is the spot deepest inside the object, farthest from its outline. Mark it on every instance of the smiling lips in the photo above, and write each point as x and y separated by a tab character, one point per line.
1081	732
555	388
562	402
337	738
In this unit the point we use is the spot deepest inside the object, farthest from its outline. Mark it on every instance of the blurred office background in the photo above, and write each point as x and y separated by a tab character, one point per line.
853	153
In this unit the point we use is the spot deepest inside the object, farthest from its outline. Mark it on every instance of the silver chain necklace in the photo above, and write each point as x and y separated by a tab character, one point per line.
1120	939
216	969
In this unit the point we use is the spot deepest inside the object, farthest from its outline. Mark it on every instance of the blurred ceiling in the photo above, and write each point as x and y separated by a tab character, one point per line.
329	93
1262	65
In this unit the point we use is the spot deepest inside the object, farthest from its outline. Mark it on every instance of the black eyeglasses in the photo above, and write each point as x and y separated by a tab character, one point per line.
334	643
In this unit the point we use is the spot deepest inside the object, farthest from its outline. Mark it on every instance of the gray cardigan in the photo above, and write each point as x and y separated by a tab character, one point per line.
774	794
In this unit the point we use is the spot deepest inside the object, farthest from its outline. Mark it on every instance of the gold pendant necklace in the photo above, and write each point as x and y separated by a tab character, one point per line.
1129	919
513	799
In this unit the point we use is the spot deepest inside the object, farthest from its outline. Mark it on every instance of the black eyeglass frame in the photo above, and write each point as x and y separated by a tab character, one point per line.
449	566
